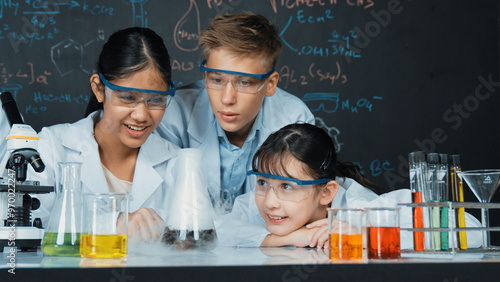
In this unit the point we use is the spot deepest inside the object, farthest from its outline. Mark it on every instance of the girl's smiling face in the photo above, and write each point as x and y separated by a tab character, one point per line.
283	217
130	127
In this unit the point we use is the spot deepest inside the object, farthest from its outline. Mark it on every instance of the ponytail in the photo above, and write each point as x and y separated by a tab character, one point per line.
350	170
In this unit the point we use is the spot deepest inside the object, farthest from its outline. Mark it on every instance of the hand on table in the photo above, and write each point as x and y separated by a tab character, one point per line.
320	238
143	225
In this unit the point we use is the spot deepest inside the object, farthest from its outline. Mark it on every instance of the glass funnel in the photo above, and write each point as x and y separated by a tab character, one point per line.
483	183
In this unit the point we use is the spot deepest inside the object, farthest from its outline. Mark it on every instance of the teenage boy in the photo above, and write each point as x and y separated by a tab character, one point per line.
236	106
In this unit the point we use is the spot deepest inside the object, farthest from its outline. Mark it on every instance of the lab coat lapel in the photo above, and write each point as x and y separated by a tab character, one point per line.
146	179
203	135
83	141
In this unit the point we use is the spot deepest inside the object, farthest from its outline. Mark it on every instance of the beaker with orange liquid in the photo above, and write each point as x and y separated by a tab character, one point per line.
383	232
344	227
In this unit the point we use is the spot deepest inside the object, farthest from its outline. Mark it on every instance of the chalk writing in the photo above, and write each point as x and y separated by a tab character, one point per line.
375	168
29	75
224	7
182	66
337	76
65	98
8	4
291	4
338	44
12	88
29	109
39	97
187	29
97	9
139	17
287	75
301	18
41	22
329	103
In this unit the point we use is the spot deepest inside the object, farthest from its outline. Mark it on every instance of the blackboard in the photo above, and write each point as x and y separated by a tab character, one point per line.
383	77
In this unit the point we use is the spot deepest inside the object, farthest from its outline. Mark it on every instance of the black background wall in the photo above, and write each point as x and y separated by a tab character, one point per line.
383	77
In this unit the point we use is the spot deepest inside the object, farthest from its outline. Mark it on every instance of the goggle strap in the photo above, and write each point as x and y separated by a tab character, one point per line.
299	182
258	76
112	86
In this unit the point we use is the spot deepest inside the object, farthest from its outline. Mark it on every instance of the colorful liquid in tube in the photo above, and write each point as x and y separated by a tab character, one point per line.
458	196
418	222
433	196
416	193
443	197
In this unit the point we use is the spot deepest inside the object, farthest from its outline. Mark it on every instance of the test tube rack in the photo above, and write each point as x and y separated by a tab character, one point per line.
453	250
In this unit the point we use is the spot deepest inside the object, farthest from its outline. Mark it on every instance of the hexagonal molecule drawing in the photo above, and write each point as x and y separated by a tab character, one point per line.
67	56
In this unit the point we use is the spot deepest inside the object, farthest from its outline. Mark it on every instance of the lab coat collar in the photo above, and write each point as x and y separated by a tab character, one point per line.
91	177
153	152
202	119
202	129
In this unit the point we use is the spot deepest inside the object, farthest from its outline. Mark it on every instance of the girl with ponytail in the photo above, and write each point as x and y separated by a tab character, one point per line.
297	177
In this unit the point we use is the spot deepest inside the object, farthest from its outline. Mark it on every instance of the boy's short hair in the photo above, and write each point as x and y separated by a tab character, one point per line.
245	34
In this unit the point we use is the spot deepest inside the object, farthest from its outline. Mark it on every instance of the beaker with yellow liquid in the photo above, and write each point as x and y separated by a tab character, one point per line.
105	225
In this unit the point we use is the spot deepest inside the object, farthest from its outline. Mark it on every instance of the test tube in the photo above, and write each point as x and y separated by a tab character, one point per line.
457	191
443	197
433	192
416	196
422	187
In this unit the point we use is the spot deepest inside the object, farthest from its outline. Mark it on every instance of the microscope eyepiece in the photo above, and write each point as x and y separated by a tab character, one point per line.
19	160
36	163
10	107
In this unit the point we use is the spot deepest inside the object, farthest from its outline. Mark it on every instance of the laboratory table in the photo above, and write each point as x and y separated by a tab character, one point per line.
147	262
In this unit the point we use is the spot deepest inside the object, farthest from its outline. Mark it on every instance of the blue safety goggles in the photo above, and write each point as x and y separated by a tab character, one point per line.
297	181
285	188
258	76
113	87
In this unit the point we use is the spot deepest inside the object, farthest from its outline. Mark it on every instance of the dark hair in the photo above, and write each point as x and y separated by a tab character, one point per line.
128	51
310	145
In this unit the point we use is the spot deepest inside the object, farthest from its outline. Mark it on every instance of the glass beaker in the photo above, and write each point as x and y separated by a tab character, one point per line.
105	225
190	218
344	228
62	235
383	232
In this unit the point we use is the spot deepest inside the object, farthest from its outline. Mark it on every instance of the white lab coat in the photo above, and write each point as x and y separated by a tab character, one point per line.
153	181
4	131
190	123
244	226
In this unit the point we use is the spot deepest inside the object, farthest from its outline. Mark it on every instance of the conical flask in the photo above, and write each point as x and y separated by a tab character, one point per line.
62	235
190	219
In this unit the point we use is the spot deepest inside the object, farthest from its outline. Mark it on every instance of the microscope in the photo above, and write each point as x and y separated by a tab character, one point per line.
17	229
